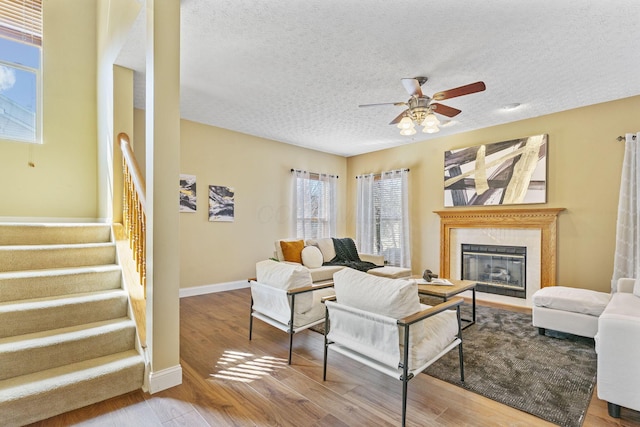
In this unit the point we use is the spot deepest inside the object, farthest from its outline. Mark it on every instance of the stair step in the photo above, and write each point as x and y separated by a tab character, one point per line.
41	395
20	285
53	233
40	314
34	257
30	353
66	340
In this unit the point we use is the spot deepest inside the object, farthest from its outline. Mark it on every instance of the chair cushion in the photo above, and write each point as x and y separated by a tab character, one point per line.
286	276
326	247
583	301
317	310
396	298
439	331
312	257
292	250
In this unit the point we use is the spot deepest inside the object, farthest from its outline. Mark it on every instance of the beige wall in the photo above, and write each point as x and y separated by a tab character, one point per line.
584	163
114	101
259	171
62	185
122	123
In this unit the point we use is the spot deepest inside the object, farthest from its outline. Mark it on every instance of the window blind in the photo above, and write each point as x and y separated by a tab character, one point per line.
382	223
22	20
314	209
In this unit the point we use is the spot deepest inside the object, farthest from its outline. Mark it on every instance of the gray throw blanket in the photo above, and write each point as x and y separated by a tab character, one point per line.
347	255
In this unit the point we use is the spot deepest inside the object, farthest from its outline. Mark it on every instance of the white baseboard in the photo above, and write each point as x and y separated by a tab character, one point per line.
210	289
164	379
37	220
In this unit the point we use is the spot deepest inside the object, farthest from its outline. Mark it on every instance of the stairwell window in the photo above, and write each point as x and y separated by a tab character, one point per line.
20	70
382	217
314	208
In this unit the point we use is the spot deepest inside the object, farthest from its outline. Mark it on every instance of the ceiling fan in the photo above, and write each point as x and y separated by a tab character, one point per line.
421	108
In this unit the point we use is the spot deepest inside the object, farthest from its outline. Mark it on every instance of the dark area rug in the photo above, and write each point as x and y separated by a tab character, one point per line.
506	360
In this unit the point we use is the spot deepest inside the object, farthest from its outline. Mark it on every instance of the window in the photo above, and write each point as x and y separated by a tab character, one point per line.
314	205
20	64
382	226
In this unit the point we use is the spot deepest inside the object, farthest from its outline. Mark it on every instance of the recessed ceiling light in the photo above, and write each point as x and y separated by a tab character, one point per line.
511	106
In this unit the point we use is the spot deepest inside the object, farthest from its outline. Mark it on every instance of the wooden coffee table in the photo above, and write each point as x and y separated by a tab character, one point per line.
447	291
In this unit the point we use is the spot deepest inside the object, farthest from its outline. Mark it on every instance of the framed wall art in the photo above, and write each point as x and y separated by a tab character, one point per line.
188	193
501	173
221	203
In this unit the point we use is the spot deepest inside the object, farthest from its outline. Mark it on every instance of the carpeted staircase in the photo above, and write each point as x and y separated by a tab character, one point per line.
67	338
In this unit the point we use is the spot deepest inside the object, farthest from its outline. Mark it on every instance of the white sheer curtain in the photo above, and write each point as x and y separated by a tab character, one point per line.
314	208
382	223
329	205
395	218
365	220
627	260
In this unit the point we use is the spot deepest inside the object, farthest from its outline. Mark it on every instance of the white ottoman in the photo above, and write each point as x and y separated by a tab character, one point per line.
390	272
571	310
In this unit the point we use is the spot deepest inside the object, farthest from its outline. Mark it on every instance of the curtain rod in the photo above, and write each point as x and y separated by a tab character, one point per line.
621	138
316	173
378	175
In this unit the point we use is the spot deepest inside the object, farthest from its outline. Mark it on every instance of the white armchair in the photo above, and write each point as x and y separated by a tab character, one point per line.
618	348
284	297
381	323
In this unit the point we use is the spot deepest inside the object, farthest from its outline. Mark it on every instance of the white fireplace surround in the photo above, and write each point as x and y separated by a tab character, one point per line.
528	238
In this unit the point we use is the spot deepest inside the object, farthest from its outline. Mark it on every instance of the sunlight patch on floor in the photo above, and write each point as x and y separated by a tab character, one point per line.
246	367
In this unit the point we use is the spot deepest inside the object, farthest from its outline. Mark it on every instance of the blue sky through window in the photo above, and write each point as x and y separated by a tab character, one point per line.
19	85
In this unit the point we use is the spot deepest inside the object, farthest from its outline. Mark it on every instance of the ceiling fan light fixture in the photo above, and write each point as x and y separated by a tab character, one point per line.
420	106
430	120
405	123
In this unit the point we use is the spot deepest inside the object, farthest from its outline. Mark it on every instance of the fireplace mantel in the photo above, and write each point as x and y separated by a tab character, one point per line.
543	219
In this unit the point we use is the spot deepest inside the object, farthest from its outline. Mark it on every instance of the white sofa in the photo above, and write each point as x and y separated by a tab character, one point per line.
319	252
618	348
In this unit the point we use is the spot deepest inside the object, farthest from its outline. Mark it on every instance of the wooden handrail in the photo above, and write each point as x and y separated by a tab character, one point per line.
134	169
134	217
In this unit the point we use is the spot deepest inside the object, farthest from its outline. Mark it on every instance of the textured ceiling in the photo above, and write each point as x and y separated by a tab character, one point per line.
295	71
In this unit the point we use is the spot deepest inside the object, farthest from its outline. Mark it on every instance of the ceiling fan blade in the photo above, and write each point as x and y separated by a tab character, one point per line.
412	86
397	104
459	91
397	119
445	110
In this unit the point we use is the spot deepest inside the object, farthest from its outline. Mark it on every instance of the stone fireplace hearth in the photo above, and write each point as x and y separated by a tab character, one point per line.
535	229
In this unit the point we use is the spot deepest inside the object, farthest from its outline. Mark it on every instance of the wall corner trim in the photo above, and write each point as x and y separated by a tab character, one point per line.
164	379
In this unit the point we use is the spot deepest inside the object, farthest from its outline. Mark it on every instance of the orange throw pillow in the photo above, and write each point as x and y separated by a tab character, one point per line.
292	251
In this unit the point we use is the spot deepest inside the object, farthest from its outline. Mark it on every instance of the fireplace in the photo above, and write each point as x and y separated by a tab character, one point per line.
533	228
496	269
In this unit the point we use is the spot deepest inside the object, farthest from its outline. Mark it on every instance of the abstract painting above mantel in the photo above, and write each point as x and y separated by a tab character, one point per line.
502	173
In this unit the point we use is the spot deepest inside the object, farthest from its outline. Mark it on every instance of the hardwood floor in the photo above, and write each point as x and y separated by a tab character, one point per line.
231	381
